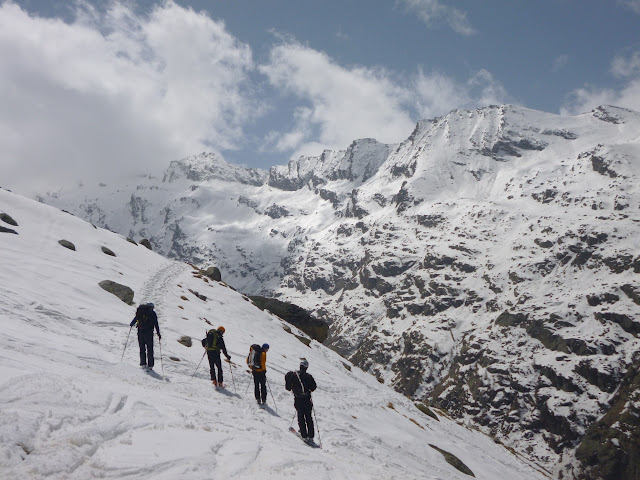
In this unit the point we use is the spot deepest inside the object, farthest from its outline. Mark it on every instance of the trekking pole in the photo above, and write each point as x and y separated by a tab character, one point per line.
126	343
194	373
272	398
291	424
248	384
313	409
232	379
161	362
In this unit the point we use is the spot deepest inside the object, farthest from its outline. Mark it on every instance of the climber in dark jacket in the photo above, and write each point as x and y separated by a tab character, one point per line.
302	384
146	320
214	344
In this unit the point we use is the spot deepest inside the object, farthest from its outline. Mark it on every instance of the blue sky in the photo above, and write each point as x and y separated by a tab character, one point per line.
93	91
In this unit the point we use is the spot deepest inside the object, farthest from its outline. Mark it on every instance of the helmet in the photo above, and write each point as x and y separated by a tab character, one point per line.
304	363
265	346
221	329
151	304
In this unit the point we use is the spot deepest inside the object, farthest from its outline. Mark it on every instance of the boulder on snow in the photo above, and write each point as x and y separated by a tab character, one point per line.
123	292
295	315
67	244
453	461
108	251
213	273
146	243
185	340
200	296
6	218
7	230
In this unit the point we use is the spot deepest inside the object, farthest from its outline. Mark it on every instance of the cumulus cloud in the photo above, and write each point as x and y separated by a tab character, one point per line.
586	98
343	103
429	11
111	92
626	66
436	93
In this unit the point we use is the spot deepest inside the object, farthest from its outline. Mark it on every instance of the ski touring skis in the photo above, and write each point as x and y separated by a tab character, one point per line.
308	441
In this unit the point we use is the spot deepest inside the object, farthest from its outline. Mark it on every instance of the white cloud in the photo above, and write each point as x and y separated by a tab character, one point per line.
431	10
346	103
585	98
343	104
114	92
626	67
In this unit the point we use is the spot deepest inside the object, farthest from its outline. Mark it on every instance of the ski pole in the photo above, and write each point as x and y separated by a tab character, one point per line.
161	362
291	424
272	398
232	379
126	343
317	426
194	373
248	385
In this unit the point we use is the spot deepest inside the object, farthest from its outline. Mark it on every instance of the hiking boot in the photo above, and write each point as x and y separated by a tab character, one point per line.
221	385
215	383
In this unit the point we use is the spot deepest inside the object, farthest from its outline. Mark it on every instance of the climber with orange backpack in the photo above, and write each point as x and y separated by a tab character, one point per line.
257	361
214	344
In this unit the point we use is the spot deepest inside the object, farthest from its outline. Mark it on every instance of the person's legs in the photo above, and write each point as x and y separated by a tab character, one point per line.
308	417
149	342
212	370
143	349
302	425
218	364
256	385
263	387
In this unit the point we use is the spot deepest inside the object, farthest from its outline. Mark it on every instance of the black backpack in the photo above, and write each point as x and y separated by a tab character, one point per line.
144	317
210	342
253	359
293	383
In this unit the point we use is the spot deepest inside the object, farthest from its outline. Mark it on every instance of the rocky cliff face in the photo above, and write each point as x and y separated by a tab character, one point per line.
488	264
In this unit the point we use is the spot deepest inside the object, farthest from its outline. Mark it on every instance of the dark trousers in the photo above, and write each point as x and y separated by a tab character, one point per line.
260	386
145	342
304	407
215	362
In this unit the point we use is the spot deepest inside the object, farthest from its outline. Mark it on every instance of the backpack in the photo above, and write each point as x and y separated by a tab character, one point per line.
254	357
210	342
293	383
144	317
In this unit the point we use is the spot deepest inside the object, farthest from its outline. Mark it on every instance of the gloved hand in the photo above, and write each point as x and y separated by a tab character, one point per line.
159	337
229	357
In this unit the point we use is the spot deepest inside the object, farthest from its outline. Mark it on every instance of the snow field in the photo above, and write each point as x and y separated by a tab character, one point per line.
70	409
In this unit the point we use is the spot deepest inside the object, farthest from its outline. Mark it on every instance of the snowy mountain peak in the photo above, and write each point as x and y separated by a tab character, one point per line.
210	166
358	163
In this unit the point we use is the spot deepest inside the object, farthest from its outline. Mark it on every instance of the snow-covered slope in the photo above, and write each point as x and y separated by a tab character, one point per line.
71	409
489	262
